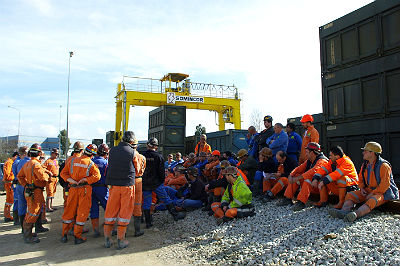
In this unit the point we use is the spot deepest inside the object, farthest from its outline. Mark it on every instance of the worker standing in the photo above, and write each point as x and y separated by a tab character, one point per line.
99	189
33	177
261	138
8	178
295	142
51	164
14	187
310	135
376	184
121	179
251	141
202	146
22	205
80	173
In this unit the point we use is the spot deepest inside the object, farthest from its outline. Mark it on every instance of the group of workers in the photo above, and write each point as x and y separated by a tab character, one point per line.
129	185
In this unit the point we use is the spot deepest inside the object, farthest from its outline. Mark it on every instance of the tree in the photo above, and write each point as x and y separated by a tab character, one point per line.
200	130
7	148
62	137
256	119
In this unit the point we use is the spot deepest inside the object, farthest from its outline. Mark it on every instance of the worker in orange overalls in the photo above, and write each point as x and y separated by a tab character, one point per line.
376	184
178	179
8	178
202	146
191	161
302	176
338	176
139	161
79	172
33	177
121	174
209	171
310	135
51	164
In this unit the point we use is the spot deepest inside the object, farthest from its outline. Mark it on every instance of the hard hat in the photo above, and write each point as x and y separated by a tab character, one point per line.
242	153
103	149
193	171
91	149
268	118
307	118
35	150
216	153
152	142
373	147
313	146
78	146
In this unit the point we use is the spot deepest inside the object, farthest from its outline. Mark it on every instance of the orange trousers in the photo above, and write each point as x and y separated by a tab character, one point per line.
137	208
119	205
275	185
78	205
9	199
34	204
371	200
51	187
219	212
305	191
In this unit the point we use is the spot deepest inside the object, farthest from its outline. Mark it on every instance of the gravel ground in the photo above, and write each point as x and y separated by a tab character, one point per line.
277	235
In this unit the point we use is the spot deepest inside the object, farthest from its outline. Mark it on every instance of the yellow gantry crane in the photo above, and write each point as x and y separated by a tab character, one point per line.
175	89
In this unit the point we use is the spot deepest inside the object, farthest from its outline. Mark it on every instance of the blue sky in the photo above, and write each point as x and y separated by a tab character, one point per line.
268	49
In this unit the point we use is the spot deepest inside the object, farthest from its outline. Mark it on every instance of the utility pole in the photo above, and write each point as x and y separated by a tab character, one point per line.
69	74
19	120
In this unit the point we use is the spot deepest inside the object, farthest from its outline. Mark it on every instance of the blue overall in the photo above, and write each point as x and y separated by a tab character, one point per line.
161	193
99	189
14	187
20	190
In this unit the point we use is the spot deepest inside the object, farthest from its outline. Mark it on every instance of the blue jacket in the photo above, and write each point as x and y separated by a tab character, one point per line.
167	164
200	166
102	164
295	142
175	163
14	167
280	142
253	145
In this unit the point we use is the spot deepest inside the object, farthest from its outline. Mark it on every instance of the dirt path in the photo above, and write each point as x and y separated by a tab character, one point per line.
50	251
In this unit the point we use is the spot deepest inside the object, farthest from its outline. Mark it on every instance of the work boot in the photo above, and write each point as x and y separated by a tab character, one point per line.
79	240
298	206
268	197
285	202
350	217
64	239
28	237
323	198
78	234
207	207
136	223
340	214
107	235
148	218
16	218
176	215
6	219
39	227
122	243
21	222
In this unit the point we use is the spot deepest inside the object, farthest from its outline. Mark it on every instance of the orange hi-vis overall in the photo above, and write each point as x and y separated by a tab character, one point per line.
139	161
8	178
33	174
307	170
80	196
51	186
275	184
176	182
310	135
66	190
206	148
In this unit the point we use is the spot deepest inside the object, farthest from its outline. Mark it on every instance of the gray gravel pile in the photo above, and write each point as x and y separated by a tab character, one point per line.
277	235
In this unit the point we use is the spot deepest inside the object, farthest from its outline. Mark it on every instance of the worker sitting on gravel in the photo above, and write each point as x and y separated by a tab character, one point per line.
266	164
191	161
178	179
302	176
227	155
80	173
275	182
310	135
377	185
247	164
210	172
202	146
237	199
338	176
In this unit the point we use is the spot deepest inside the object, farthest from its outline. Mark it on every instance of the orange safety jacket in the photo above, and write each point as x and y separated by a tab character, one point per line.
7	171
178	181
206	148
344	168
81	167
308	168
33	173
139	161
188	164
52	166
310	135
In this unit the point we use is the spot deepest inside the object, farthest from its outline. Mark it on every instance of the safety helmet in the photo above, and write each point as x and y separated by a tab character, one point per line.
91	149
103	149
268	118
313	146
242	152
216	153
78	146
35	150
373	147
307	118
152	142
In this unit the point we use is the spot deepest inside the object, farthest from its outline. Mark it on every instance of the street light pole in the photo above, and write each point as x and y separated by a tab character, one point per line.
69	74
19	117
59	131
